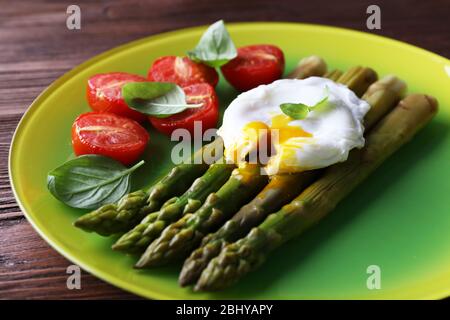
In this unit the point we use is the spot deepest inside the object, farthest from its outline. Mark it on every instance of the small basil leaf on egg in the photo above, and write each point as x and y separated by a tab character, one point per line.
215	47
158	99
300	111
296	111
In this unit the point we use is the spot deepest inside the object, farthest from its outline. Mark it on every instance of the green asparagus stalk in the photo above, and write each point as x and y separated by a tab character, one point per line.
309	67
179	238
333	74
269	199
137	239
243	256
381	95
116	218
358	79
181	176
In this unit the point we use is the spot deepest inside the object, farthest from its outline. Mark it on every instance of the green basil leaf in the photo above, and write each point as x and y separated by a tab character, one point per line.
300	111
296	111
90	181
159	99
215	47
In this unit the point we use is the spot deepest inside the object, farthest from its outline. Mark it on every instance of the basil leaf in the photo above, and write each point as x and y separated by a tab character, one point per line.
159	99
300	111
90	181
215	47
296	111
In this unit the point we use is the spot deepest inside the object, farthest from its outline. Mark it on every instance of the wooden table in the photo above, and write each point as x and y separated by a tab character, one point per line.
36	48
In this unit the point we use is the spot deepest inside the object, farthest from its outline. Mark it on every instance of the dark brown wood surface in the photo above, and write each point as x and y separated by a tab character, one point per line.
36	48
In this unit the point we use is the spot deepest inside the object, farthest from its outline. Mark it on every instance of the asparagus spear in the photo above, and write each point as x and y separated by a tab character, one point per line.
130	209
358	79
115	218
381	95
181	176
241	257
137	239
308	67
179	238
269	199
333	74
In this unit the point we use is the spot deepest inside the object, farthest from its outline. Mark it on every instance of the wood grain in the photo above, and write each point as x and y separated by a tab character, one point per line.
36	48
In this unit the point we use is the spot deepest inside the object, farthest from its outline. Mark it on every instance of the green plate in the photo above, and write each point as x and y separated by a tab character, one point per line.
399	219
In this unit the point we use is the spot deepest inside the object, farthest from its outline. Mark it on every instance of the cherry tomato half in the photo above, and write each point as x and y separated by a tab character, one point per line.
109	135
253	66
182	71
208	114
104	93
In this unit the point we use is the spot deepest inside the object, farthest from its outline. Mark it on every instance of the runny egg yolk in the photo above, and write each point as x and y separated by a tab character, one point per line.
281	122
253	135
257	135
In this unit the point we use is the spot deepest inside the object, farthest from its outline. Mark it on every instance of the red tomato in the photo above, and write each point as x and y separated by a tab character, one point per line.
109	135
104	93
253	66
182	71
208	114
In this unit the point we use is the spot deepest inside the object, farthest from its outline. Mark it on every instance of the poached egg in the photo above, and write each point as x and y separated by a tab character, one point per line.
324	137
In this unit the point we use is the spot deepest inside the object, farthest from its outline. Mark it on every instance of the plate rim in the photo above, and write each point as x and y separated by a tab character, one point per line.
98	272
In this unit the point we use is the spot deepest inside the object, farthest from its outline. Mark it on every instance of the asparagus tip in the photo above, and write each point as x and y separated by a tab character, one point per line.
81	224
139	264
117	247
189	273
432	102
